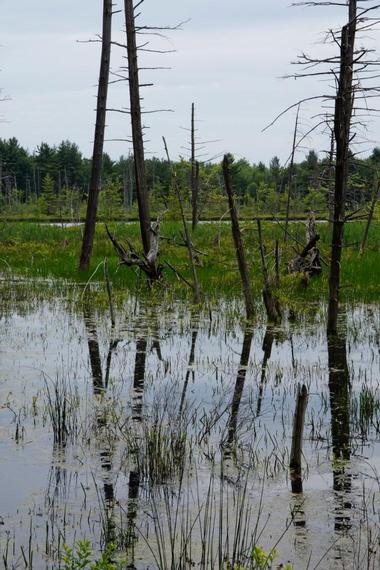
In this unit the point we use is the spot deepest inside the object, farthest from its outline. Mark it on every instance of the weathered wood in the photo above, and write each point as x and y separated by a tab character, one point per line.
308	261
131	258
97	154
342	125
271	303
295	464
370	217
137	129
236	234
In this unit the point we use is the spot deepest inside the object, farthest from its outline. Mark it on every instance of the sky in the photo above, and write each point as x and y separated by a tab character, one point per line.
229	59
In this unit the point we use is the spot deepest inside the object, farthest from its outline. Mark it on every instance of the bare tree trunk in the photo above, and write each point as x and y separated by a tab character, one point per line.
271	303
370	216
240	254
193	177
330	177
97	155
137	130
291	175
342	124
195	213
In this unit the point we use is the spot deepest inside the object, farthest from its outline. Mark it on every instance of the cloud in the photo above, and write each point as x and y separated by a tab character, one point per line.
228	60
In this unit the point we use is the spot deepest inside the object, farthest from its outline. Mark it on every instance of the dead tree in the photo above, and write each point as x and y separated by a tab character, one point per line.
186	234
308	261
97	155
130	257
236	234
272	304
347	69
194	178
342	125
196	147
375	197
291	175
137	129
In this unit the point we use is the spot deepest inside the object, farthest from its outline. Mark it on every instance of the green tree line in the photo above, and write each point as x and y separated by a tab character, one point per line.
54	180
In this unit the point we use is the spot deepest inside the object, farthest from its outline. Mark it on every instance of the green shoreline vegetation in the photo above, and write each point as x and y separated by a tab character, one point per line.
40	250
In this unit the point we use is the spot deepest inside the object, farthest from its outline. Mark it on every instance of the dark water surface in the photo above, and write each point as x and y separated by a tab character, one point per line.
170	435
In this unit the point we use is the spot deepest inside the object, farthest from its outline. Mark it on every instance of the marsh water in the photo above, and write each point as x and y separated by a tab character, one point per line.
169	435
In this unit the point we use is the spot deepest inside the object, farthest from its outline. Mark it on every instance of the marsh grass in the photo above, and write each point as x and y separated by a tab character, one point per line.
63	408
43	250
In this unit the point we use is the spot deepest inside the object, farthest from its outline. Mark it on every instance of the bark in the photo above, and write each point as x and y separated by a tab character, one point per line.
330	178
137	130
240	253
342	124
97	155
194	177
195	193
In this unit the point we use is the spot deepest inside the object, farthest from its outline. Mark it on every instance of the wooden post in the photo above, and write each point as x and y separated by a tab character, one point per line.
296	451
236	234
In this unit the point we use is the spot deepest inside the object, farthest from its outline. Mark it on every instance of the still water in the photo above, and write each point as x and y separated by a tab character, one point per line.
170	435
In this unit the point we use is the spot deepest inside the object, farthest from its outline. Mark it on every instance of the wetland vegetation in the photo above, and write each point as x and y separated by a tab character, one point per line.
201	391
165	441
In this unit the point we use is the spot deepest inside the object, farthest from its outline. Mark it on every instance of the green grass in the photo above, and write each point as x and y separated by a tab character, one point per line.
42	250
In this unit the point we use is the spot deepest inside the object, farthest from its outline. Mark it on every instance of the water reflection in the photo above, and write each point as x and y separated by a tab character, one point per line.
238	391
106	451
267	348
340	392
189	371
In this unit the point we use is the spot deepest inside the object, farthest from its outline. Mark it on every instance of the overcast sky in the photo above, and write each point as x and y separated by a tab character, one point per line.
229	60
